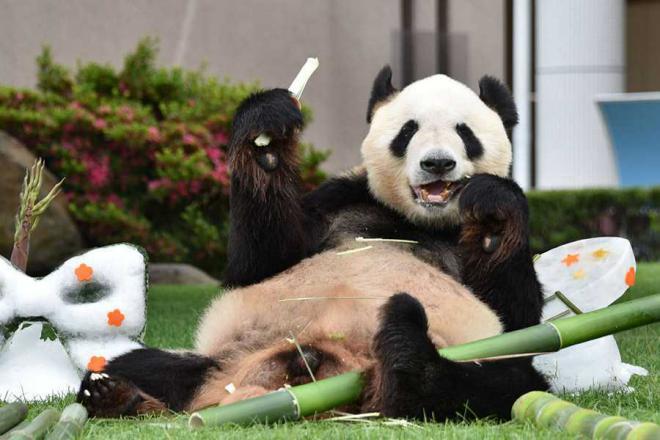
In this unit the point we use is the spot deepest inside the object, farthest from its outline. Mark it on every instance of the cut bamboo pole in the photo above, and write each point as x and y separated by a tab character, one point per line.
11	415
71	423
317	397
545	410
37	427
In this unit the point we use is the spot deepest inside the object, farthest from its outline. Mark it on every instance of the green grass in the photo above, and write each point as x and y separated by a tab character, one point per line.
174	311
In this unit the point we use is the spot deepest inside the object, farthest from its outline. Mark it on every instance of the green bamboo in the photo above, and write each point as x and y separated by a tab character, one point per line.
71	423
37	427
545	410
11	415
21	425
309	399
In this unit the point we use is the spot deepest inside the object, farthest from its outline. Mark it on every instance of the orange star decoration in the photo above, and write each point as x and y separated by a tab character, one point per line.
579	274
84	272
116	317
96	364
571	259
600	254
630	277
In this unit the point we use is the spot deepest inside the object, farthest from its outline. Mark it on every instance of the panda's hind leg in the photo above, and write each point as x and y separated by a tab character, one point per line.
143	381
412	380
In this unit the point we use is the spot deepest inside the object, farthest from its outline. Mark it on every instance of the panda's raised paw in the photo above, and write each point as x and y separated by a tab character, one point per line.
265	128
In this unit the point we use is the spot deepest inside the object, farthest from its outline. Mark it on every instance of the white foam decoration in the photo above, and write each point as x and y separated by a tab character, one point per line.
102	326
592	274
34	369
81	350
592	364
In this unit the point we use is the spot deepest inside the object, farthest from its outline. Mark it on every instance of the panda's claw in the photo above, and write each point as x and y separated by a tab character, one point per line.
106	396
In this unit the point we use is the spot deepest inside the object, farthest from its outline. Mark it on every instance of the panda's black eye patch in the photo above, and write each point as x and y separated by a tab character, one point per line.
401	141
473	147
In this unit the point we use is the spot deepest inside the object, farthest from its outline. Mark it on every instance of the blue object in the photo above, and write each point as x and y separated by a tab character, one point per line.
633	123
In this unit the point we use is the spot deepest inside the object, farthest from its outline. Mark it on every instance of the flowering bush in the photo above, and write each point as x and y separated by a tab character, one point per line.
143	151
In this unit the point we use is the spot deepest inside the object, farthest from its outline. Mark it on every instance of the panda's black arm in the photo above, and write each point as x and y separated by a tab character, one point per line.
415	381
272	224
494	244
267	223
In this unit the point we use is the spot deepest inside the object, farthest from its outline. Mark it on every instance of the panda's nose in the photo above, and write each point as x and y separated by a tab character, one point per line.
437	165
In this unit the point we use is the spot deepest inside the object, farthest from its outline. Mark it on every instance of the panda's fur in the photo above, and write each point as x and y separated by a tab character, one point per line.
464	271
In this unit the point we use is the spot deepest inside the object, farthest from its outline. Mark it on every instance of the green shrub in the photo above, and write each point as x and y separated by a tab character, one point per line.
558	217
142	149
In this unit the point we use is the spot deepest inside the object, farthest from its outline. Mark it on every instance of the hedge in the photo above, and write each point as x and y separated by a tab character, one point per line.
558	217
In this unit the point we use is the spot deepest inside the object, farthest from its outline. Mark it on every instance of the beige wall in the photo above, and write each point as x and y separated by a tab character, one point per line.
253	39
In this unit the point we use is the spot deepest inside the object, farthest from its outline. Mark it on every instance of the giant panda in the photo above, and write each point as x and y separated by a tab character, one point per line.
450	263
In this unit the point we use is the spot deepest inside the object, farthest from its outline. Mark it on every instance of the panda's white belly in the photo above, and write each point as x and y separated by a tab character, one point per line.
330	296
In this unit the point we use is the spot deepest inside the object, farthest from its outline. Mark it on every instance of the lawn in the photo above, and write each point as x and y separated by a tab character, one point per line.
174	311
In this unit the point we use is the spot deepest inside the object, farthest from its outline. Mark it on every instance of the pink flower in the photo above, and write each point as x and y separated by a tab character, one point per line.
126	113
100	124
159	183
114	199
98	171
19	96
214	154
195	186
153	134
104	109
189	139
220	174
75	105
220	138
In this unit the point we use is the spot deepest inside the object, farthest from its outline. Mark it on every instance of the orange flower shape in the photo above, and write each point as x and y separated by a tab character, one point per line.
571	259
600	254
579	274
84	272
96	364
116	317
630	277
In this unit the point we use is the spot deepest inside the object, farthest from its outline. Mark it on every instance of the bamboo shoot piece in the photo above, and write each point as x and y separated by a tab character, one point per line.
323	395
11	415
37	427
71	423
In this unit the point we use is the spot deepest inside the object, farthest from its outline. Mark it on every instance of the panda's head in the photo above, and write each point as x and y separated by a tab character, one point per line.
425	142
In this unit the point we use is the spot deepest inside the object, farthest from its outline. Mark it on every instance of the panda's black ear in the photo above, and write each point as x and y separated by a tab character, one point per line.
497	96
381	90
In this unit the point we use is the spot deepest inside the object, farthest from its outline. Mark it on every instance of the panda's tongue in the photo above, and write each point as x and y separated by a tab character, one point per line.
435	192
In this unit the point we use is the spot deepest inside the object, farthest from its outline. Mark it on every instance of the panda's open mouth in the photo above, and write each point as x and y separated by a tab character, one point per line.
437	193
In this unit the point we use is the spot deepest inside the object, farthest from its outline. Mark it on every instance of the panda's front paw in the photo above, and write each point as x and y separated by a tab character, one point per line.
108	397
404	356
493	214
264	132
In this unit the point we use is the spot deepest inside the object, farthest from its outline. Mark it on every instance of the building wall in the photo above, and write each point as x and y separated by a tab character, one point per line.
579	55
254	39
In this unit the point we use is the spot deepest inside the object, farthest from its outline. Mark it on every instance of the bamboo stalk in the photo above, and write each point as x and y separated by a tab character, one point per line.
11	415
71	423
545	410
37	427
21	425
322	395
